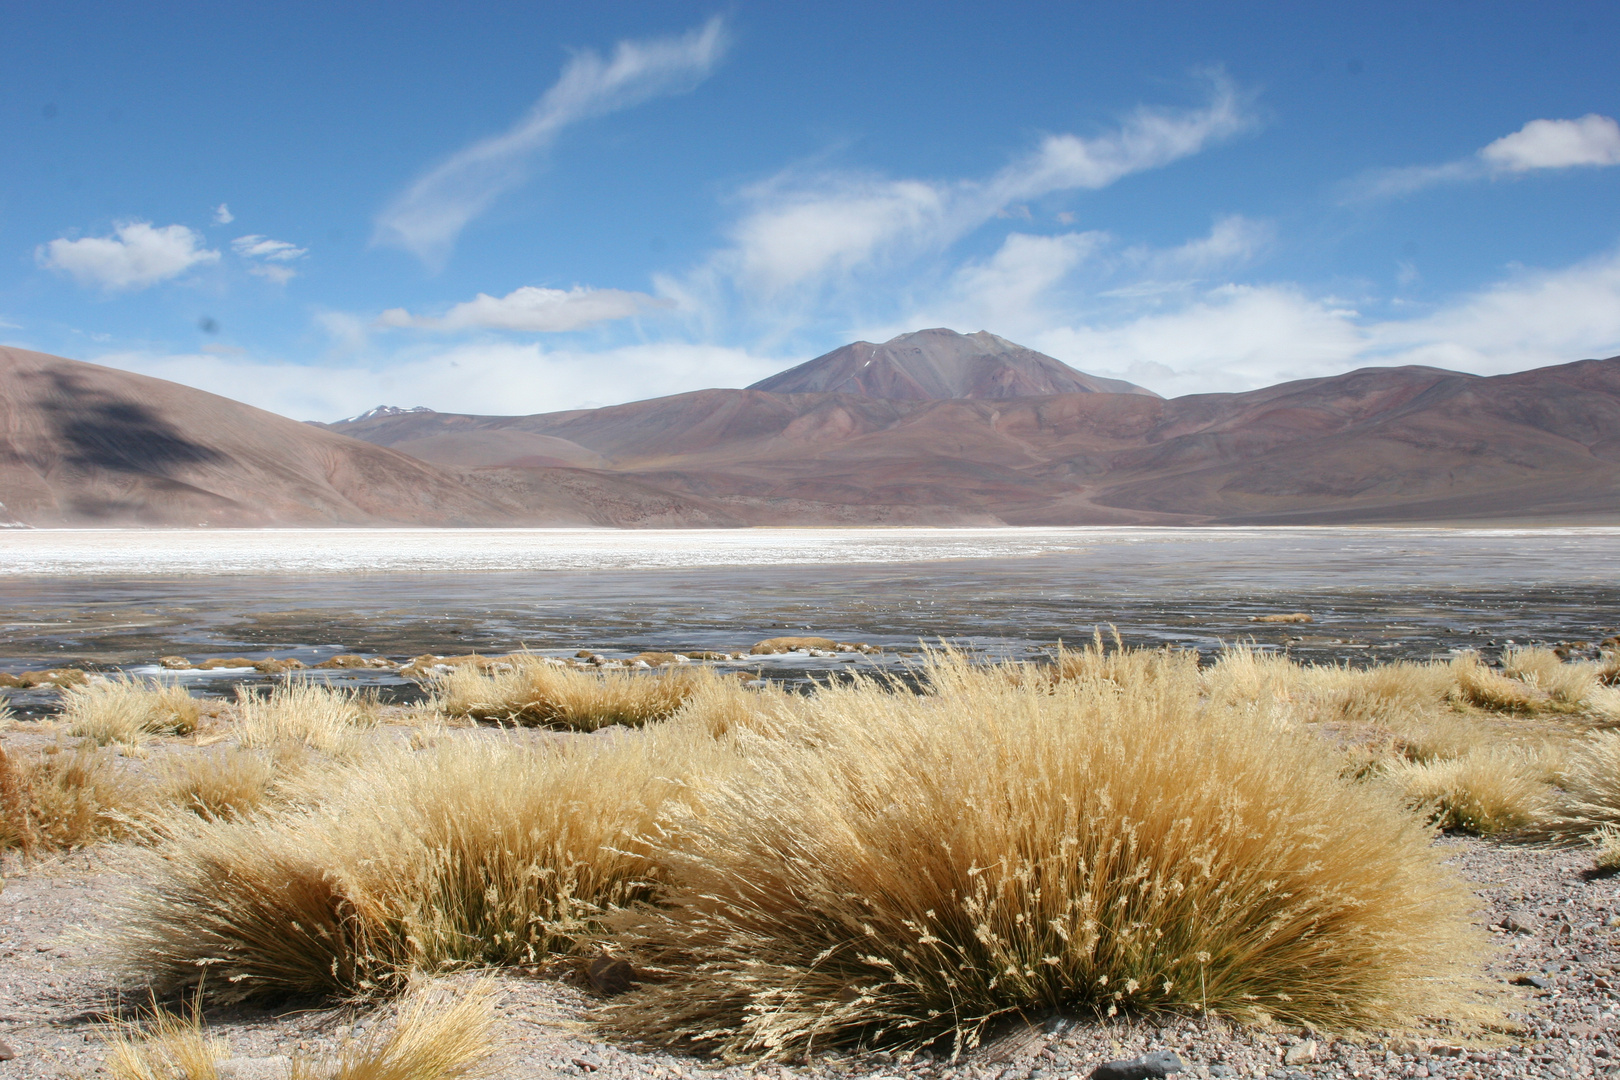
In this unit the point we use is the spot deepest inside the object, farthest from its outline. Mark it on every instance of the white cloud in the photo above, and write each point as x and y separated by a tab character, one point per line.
1240	337
800	230
1592	140
1009	289
1233	239
262	247
496	378
428	217
1557	144
269	258
135	257
531	309
1033	283
223	215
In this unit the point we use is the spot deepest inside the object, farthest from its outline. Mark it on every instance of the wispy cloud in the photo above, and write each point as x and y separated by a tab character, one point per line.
223	215
269	258
532	309
429	216
136	256
1591	141
803	229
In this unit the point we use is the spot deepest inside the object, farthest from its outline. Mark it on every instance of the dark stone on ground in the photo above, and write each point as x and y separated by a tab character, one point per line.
1160	1063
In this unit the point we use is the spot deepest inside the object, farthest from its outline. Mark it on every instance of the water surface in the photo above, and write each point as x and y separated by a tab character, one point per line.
122	598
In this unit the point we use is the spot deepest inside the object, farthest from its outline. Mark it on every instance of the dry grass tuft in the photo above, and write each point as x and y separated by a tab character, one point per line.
1607	841
1590	780
474	852
1485	791
1567	684
164	1046
230	783
128	711
58	800
532	690
304	713
896	869
1479	685
429	1040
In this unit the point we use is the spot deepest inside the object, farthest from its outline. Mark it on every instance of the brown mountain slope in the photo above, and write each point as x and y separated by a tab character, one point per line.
939	364
1380	444
84	445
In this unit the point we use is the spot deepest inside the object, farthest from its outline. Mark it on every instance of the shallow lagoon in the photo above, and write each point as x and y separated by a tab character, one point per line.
121	598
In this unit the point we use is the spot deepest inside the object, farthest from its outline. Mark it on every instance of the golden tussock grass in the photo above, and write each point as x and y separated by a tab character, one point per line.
1484	791
891	868
305	713
58	800
232	782
128	711
1606	839
476	851
532	690
430	1039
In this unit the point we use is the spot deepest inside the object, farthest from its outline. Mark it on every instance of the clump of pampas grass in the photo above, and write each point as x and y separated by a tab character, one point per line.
473	852
128	711
897	869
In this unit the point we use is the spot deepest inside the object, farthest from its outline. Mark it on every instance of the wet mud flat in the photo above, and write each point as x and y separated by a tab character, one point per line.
112	601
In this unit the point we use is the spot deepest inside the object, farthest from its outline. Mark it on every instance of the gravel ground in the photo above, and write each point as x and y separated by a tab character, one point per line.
1554	923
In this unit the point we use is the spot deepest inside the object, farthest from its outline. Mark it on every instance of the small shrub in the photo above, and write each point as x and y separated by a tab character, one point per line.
304	713
534	690
894	869
128	711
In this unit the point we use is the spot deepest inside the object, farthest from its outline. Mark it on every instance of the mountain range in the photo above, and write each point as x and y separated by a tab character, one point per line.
932	427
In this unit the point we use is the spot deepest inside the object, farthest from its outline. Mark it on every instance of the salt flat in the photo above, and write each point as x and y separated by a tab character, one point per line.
1225	553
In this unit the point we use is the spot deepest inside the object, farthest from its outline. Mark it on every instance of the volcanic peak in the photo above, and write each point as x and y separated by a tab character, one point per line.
940	365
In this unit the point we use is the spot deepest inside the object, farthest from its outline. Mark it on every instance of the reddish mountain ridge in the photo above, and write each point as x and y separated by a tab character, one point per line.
87	445
1409	444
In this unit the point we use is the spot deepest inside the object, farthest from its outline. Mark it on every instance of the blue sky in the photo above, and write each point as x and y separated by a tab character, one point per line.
515	208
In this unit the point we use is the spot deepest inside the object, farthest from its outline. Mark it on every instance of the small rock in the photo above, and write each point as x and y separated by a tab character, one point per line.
1300	1053
1519	922
588	1062
6	1052
1160	1063
609	975
1220	1071
278	1067
1530	978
